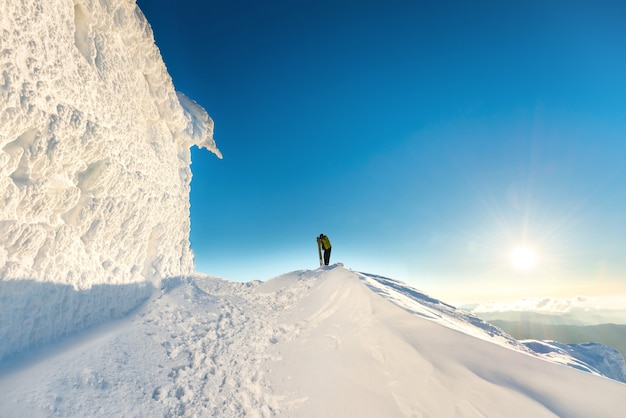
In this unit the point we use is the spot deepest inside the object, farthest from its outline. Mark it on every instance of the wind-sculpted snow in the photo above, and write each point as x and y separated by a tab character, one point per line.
423	305
590	357
94	159
323	343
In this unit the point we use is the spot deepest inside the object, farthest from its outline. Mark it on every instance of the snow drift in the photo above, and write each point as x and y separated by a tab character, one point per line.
591	357
94	166
324	343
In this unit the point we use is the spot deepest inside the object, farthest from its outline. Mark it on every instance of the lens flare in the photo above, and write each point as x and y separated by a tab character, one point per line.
523	258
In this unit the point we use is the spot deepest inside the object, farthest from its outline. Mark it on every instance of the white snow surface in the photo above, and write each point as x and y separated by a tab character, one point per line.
94	213
591	357
94	166
323	343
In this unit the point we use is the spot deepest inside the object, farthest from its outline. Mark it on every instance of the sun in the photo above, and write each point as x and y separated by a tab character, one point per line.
523	258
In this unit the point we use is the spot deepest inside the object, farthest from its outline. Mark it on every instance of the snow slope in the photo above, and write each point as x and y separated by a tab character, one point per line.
94	166
328	342
591	357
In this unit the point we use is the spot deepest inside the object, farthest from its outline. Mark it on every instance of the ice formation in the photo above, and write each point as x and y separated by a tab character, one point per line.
94	166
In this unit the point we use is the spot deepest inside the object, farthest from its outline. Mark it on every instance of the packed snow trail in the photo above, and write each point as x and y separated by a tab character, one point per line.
327	342
193	351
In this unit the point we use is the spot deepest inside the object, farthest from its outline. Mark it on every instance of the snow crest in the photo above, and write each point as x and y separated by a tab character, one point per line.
94	164
321	343
589	357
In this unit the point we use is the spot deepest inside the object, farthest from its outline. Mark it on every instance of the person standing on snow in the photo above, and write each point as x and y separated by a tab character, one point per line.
325	243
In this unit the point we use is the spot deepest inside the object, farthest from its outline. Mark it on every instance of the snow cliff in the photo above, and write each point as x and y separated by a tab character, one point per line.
94	166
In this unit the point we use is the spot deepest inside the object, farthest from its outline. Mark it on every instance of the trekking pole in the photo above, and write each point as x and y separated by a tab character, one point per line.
319	249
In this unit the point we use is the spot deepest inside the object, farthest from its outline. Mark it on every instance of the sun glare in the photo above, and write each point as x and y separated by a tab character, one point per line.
523	258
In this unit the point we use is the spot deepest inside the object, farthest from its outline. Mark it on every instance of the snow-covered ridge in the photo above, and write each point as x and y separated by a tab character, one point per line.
592	358
94	162
418	303
326	342
589	357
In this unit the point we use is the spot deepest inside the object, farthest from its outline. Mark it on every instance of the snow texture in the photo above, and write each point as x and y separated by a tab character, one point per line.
590	357
322	343
94	166
94	213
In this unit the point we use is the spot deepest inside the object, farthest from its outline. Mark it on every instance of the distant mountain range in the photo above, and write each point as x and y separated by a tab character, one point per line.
577	316
613	335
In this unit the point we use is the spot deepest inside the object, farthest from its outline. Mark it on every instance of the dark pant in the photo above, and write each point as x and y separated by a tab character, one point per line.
327	256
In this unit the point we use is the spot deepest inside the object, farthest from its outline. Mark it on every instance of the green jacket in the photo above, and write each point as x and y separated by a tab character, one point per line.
325	243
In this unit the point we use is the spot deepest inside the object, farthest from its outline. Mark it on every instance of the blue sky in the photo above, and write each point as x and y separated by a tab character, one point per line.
426	139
